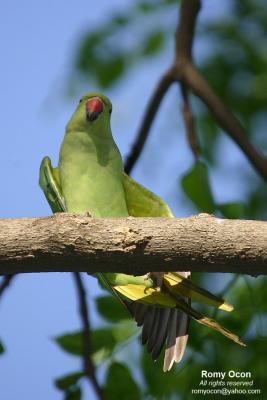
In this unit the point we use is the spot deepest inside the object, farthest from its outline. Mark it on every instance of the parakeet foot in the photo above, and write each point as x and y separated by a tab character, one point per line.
157	278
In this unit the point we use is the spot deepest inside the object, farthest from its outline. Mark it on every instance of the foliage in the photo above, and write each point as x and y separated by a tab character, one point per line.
196	186
127	388
102	54
104	340
2	349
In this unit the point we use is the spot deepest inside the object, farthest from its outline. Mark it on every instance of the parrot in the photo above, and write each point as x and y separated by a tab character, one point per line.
90	180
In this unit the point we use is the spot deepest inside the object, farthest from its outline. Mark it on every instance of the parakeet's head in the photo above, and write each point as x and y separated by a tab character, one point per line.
92	114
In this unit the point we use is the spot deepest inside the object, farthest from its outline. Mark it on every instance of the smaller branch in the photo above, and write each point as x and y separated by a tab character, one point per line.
89	368
184	38
189	123
6	280
151	110
192	78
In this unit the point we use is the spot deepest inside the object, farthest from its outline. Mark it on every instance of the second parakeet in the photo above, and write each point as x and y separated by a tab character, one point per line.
90	179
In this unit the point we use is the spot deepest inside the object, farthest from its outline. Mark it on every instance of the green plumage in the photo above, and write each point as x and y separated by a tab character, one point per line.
90	166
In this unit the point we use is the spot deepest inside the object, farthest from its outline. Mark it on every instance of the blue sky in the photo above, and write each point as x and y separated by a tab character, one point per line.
37	43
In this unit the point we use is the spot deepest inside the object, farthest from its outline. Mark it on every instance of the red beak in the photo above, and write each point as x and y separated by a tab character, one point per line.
94	107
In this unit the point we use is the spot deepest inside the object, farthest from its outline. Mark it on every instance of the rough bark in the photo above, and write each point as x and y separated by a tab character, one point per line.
69	242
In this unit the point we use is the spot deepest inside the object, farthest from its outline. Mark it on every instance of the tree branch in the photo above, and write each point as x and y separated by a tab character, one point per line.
186	28
184	39
89	368
6	280
151	110
189	123
184	71
72	242
224	117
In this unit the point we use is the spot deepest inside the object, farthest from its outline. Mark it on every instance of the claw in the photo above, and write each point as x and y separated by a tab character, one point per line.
147	276
157	278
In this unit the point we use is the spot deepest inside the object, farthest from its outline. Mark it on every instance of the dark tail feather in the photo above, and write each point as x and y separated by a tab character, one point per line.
163	326
139	311
154	331
160	326
162	333
148	325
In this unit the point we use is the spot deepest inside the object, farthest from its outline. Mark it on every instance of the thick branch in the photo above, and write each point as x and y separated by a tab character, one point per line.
69	242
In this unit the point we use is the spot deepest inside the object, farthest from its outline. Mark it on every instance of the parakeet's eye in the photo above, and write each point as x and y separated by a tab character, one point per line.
80	100
110	110
94	107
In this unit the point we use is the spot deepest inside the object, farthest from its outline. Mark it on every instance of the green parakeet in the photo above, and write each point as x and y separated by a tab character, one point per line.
90	179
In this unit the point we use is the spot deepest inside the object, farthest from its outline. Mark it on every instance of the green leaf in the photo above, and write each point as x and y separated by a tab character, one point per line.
188	376
71	343
2	349
160	384
257	345
208	136
243	312
104	55
74	393
110	70
120	383
110	309
120	20
196	186
232	210
69	380
257	203
153	43
144	7
198	337
103	340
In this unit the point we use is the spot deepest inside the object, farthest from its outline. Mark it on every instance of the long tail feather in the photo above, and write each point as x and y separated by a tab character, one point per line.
177	338
169	356
181	335
148	324
179	284
162	333
139	313
211	323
